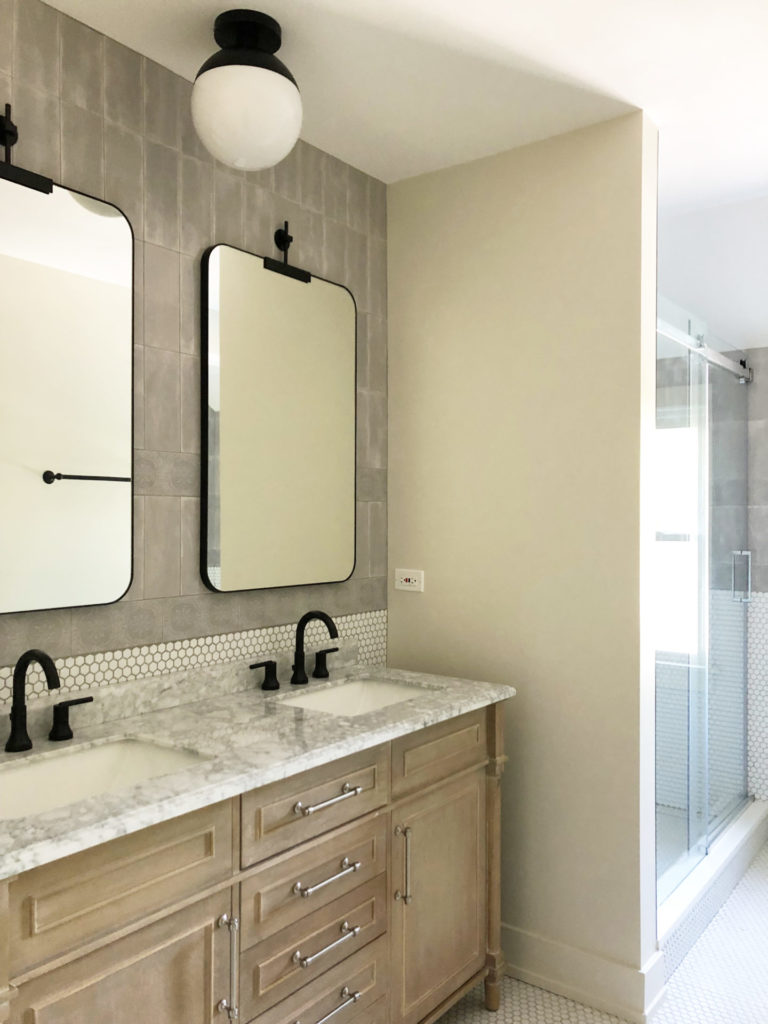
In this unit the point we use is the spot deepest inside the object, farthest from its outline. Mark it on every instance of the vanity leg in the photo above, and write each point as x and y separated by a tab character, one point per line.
494	956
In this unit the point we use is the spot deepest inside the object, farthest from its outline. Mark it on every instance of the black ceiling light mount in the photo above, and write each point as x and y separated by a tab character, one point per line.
246	105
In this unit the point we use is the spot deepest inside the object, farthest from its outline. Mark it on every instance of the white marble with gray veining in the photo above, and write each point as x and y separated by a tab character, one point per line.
250	738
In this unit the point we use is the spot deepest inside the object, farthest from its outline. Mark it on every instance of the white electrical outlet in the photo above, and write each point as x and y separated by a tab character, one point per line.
409	579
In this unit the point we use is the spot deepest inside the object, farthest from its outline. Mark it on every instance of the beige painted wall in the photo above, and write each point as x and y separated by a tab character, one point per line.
521	304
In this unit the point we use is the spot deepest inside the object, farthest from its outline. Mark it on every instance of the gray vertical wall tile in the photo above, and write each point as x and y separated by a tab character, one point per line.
124	173
191	583
362	540
161	195
228	207
190	404
377	208
82	66
38	117
111	627
49	631
362	350
123	86
260	206
82	150
335	187
334	250
6	38
190	305
287	174
162	275
312	178
161	106
138	396
378	532
136	592
138	293
167	473
36	49
357	201
6	90
377	353
162	546
377	430
162	400
377	276
356	267
196	205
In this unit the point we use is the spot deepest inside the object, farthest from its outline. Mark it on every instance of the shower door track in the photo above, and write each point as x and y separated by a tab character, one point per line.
741	370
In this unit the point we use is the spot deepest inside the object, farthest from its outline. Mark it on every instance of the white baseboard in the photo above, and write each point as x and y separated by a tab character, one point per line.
587	978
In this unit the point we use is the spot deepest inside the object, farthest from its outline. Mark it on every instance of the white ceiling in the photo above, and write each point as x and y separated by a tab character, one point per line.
399	87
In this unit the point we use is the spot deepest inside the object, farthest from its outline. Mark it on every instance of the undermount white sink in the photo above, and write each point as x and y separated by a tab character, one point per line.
357	697
40	784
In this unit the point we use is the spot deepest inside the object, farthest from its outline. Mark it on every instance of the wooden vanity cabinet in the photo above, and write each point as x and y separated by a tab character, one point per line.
439	914
389	889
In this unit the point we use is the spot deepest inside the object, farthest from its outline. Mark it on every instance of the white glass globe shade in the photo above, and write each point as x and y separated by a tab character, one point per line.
246	117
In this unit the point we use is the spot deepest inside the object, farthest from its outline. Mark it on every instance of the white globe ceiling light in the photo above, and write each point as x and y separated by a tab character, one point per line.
246	106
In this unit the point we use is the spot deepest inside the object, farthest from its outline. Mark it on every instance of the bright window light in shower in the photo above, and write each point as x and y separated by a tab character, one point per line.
676	552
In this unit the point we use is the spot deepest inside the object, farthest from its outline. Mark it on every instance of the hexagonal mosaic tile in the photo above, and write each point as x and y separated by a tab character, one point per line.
85	671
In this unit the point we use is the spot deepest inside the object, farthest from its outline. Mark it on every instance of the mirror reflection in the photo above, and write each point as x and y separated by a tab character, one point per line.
66	283
279	436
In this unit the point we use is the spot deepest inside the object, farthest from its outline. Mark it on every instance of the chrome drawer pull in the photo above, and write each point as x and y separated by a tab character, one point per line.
346	869
407	896
347	790
348	1001
225	1006
346	934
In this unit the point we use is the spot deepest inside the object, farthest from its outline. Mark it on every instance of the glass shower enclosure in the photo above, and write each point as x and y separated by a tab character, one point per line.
702	580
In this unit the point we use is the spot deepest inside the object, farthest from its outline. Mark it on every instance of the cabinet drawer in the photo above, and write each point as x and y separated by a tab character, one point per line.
275	818
273	970
62	906
323	868
432	754
365	972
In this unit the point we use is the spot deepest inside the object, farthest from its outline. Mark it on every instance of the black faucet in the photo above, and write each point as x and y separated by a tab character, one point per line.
19	738
299	675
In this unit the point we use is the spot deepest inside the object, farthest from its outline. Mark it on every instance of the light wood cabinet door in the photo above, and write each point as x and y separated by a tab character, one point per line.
439	895
175	972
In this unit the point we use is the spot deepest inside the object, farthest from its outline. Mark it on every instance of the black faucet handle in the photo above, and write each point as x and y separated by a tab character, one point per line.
271	682
61	729
321	665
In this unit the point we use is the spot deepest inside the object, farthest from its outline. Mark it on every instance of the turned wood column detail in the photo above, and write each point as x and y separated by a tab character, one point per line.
496	762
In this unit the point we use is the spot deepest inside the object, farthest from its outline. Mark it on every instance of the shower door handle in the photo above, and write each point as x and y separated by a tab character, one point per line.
743	596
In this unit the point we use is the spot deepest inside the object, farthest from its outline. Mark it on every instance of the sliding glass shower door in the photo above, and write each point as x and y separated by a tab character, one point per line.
702	586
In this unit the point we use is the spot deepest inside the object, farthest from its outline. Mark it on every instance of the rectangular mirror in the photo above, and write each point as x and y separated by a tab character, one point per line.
66	366
279	405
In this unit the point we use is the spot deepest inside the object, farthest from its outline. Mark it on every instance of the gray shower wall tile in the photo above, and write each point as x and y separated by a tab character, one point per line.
128	136
757	472
82	66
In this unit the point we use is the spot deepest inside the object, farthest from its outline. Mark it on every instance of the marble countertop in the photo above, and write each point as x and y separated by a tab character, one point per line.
248	739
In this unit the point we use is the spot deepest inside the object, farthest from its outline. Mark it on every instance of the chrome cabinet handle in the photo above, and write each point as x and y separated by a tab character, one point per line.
347	790
346	869
347	933
407	896
229	1006
349	1000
